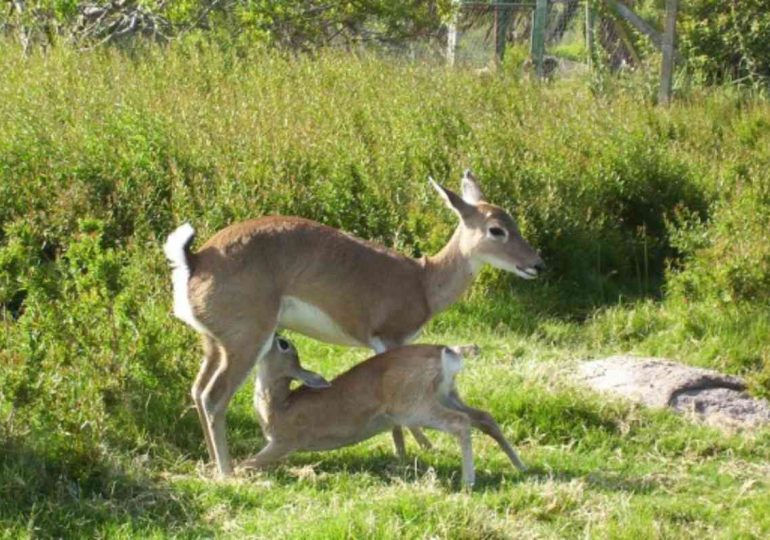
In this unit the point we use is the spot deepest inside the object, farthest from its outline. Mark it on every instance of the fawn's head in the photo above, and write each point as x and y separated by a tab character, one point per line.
488	234
281	363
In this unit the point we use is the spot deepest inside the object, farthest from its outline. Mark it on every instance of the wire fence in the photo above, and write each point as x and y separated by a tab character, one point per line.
576	34
483	32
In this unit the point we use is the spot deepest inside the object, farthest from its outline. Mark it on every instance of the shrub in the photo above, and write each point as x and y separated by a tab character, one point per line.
727	40
728	257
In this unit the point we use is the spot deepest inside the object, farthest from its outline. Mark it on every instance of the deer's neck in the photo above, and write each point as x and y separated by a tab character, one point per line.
448	274
271	397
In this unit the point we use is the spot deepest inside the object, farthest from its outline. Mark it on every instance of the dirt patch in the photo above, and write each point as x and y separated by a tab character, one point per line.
712	397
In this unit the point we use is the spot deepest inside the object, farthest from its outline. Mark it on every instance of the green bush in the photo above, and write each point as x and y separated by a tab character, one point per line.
728	256
727	41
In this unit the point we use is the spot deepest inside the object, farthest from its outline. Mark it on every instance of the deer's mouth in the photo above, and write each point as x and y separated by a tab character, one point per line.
526	273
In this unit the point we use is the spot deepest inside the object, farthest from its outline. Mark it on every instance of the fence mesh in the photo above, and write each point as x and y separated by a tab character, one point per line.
482	28
574	36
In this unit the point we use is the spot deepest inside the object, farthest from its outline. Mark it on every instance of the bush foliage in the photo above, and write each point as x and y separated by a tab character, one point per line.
727	41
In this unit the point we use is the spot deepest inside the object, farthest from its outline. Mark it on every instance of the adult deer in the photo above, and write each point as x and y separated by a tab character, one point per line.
255	277
408	386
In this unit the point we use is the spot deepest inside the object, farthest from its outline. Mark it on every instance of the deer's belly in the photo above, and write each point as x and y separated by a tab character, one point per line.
338	437
312	321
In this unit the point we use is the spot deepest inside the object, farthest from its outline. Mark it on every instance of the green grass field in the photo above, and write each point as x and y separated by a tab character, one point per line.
653	222
598	468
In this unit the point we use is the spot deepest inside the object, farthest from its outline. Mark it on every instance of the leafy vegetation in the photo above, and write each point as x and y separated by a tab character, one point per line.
653	223
719	41
290	24
727	41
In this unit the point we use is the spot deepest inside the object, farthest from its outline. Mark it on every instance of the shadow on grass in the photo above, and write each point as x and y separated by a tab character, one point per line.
327	469
387	469
600	480
49	496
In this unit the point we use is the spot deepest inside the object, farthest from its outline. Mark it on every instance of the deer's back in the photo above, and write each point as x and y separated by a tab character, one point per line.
303	267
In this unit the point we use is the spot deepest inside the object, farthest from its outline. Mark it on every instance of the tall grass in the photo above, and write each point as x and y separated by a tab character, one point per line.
653	223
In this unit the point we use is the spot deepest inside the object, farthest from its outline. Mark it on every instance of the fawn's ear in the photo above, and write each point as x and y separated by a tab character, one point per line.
311	379
453	200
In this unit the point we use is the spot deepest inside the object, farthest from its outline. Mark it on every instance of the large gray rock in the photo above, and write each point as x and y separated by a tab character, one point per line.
718	399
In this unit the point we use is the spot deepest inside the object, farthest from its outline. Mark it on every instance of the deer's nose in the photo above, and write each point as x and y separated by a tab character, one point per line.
540	266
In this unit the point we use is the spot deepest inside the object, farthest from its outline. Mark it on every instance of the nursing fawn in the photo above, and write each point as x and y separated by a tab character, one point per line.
412	386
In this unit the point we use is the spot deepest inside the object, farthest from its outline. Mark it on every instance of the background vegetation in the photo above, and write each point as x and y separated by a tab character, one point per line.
727	41
653	222
718	41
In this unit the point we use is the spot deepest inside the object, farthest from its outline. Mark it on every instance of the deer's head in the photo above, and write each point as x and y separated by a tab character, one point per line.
488	234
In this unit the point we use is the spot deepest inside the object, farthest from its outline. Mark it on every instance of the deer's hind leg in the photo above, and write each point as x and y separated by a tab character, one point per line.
242	346
212	356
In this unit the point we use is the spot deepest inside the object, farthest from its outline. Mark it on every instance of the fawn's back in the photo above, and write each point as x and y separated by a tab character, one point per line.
392	388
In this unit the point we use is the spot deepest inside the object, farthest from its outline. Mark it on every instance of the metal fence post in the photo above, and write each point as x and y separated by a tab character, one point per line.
538	35
503	16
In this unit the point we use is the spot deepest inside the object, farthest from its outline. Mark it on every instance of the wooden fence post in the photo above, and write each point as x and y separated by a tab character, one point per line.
538	35
669	40
451	38
590	24
451	43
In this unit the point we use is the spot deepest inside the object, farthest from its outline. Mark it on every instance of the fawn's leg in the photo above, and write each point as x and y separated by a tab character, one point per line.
420	437
458	424
484	421
398	432
398	442
271	453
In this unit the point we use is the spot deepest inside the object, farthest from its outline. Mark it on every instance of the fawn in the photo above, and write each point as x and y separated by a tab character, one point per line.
410	386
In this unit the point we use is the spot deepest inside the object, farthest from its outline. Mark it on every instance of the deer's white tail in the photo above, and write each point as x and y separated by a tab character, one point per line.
176	249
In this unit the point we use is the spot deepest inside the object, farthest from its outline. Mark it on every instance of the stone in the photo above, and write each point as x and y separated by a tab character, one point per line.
712	397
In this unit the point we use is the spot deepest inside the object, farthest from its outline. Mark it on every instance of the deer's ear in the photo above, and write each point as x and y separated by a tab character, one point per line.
453	200
311	379
472	193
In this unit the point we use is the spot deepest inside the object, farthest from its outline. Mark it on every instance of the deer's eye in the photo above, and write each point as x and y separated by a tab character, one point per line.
496	232
283	345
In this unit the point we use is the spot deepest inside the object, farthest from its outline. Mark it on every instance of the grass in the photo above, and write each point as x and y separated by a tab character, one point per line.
653	223
598	468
